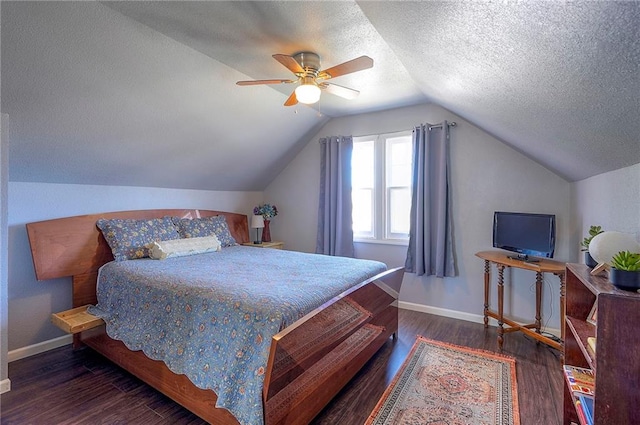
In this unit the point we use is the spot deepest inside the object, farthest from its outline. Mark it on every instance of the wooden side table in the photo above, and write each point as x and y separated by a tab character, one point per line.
540	267
273	244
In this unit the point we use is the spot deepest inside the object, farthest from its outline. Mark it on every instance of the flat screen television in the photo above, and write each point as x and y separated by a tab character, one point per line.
525	233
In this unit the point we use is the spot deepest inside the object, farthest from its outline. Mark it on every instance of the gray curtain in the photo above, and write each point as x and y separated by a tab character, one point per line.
430	237
335	233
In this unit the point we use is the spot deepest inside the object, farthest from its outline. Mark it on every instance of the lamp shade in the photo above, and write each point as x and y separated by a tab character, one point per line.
308	93
607	244
257	222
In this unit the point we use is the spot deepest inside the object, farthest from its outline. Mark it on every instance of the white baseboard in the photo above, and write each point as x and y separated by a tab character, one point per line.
454	314
41	347
5	386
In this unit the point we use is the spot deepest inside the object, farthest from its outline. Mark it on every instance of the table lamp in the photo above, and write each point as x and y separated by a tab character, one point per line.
607	244
257	222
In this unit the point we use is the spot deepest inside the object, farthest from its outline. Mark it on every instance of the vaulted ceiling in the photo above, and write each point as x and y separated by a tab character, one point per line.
144	94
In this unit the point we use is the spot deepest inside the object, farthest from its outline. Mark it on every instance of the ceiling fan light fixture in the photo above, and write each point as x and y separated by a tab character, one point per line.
308	93
306	67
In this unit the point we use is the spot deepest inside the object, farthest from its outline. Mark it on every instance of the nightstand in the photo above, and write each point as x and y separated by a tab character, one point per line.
273	244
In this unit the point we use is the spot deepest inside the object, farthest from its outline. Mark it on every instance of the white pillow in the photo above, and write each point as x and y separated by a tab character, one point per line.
180	247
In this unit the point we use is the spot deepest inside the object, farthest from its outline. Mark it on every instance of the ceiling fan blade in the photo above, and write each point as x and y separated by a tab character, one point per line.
256	82
354	65
341	91
292	100
289	62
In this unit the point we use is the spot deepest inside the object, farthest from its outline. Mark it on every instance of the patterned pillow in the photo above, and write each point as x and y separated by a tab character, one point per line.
127	238
205	226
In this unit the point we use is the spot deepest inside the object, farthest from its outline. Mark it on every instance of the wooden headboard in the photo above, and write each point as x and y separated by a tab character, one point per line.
74	246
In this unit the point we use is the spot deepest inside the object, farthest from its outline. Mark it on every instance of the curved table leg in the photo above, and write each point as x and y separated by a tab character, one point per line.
562	311
500	305
538	303
487	278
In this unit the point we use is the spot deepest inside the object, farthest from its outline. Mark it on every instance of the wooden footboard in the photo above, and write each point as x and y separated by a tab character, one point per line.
314	358
309	361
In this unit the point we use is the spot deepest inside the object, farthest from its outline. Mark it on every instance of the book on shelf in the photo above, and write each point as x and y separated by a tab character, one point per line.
580	380
591	341
586	404
581	415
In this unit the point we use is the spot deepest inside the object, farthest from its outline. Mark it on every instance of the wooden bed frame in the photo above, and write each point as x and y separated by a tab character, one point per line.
309	361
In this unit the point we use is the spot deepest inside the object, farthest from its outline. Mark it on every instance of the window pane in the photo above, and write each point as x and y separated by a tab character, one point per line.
381	186
399	209
362	165
362	214
399	161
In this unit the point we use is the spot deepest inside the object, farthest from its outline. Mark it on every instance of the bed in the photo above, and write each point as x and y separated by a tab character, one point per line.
309	360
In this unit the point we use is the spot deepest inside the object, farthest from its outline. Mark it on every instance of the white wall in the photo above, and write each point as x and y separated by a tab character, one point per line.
610	200
486	176
31	302
4	183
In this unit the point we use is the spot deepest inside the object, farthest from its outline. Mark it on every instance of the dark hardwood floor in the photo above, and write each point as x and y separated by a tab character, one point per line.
63	386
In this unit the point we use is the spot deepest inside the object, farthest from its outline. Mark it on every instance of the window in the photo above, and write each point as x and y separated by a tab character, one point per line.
381	187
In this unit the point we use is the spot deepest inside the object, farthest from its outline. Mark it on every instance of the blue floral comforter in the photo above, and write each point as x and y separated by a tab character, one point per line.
211	316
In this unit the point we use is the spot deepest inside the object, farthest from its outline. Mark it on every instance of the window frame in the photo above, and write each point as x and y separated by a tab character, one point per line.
381	219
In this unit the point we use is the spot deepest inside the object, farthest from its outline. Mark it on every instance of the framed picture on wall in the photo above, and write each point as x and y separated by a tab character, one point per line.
593	314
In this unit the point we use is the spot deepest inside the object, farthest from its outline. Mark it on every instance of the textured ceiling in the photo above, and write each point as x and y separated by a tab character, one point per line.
144	94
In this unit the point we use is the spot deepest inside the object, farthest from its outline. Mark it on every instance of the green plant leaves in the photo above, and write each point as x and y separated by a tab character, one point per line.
626	260
593	231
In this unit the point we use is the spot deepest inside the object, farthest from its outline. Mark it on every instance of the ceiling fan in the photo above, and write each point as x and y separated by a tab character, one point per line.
306	67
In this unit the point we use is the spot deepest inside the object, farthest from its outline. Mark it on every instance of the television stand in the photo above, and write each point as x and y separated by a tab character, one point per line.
542	266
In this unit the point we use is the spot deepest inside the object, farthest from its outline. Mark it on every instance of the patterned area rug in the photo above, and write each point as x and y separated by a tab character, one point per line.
445	384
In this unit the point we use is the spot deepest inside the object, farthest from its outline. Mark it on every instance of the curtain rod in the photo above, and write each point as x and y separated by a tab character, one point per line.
450	124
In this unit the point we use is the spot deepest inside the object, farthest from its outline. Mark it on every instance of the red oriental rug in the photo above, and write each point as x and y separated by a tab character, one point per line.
445	384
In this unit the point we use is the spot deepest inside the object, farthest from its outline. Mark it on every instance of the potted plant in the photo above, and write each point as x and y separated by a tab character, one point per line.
588	259
625	270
